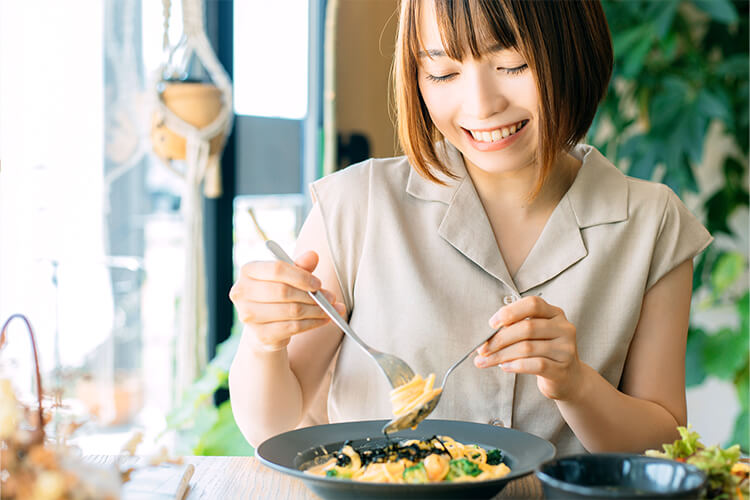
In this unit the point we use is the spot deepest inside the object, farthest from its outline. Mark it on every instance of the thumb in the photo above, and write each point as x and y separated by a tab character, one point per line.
307	261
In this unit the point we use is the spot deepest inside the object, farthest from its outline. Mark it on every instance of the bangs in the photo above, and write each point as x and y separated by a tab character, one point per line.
474	25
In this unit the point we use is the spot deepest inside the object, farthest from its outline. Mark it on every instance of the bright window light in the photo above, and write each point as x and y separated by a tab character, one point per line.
270	58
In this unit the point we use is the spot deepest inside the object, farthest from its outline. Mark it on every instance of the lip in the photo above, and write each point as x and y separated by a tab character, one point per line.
493	146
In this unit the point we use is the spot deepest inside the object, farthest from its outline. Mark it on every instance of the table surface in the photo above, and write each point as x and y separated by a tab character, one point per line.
246	477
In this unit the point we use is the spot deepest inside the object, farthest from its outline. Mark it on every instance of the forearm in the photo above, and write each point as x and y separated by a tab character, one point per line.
265	394
605	419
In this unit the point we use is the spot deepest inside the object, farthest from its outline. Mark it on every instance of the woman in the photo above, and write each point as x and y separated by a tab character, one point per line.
495	215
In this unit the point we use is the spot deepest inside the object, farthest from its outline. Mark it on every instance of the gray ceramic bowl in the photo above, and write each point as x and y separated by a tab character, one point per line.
288	451
618	475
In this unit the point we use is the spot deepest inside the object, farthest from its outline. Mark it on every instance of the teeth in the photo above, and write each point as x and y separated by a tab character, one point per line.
497	134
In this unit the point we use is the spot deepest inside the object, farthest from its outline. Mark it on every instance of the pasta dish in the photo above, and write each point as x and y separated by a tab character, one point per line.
413	394
438	459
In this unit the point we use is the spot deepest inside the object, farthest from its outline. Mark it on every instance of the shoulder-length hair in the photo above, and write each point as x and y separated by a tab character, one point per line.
566	44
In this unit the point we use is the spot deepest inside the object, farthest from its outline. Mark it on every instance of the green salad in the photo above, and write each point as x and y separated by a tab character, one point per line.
727	475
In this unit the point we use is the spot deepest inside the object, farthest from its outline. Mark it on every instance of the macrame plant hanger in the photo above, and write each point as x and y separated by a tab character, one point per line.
191	122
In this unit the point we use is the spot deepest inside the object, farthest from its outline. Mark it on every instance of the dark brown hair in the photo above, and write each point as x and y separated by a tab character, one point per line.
566	44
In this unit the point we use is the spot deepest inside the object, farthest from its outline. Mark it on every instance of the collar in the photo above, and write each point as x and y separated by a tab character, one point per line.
598	195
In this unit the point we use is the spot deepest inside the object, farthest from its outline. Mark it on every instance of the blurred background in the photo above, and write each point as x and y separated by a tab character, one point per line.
95	233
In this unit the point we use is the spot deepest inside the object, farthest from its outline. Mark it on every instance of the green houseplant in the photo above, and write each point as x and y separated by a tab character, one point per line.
203	427
681	67
680	77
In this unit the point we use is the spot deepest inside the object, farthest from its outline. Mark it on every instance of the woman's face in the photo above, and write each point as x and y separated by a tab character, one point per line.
485	107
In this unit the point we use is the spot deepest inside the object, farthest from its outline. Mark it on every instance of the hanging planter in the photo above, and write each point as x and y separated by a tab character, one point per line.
196	103
192	118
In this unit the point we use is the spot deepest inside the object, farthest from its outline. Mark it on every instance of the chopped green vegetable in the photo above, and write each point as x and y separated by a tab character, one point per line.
494	457
462	467
339	472
713	460
415	474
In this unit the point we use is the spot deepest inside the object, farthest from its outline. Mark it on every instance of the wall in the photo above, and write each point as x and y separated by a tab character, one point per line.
365	43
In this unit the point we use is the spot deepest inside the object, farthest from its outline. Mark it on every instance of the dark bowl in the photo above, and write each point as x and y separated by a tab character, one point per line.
288	451
619	475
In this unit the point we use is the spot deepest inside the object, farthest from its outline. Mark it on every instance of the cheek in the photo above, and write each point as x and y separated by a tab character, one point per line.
525	92
439	104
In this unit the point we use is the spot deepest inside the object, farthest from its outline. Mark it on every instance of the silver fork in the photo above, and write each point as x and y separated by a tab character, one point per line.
418	414
394	368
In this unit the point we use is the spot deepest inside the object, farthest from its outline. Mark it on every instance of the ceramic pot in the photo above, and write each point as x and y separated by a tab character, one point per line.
195	103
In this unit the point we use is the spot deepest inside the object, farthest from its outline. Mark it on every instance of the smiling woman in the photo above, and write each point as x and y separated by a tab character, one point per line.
487	51
498	215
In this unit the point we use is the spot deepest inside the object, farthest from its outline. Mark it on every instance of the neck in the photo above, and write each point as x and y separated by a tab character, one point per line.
509	191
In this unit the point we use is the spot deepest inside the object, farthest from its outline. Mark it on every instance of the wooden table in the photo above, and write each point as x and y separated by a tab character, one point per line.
246	477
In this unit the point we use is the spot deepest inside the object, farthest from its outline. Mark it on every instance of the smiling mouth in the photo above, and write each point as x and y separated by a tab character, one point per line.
494	135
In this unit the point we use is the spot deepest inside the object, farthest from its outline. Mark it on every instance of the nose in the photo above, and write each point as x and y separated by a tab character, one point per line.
483	94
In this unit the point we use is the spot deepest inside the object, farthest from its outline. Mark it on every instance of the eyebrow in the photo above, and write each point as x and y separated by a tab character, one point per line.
431	53
441	53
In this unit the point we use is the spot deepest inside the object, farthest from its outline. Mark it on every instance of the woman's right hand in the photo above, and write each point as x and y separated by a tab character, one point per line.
272	301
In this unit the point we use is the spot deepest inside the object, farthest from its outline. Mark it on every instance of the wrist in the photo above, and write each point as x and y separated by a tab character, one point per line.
259	348
581	383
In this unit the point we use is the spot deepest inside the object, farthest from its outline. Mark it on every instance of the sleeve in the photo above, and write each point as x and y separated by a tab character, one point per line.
681	236
342	198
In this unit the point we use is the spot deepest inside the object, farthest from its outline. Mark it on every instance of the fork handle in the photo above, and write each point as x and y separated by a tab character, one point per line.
320	299
454	365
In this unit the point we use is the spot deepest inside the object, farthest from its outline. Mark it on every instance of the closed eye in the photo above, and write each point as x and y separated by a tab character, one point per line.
441	78
516	70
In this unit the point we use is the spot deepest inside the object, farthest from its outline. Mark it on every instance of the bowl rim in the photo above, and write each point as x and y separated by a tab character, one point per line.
550	451
598	491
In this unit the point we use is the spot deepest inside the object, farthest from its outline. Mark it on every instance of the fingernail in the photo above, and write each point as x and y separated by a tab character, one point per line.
480	361
495	320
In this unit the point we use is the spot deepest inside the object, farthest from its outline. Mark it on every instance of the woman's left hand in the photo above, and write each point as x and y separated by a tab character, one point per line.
539	340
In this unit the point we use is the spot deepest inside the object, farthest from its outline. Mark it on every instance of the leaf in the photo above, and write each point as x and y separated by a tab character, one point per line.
624	42
725	352
743	309
728	269
694	134
734	66
742	385
708	104
224	438
719	10
668	104
643	167
741	432
664	19
633	60
695	374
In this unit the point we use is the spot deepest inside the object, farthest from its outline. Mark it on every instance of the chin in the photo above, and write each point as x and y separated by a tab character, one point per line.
502	163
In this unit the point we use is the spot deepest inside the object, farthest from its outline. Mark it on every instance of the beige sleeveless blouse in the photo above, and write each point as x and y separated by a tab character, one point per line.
421	274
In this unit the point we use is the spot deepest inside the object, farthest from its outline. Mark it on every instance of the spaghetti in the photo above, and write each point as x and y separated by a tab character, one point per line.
413	394
438	459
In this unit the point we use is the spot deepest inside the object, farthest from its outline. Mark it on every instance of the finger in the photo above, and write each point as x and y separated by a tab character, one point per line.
532	306
538	329
277	332
282	272
341	308
275	292
525	349
307	261
531	366
262	313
